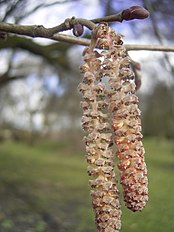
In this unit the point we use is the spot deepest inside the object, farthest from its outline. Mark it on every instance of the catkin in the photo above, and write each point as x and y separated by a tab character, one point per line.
100	157
108	89
126	123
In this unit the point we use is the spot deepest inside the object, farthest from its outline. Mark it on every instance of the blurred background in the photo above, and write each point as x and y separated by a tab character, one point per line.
43	180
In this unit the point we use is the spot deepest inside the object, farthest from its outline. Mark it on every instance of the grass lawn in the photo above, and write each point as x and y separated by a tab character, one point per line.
45	188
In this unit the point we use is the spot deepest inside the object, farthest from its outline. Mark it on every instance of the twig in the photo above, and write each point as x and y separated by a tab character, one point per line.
150	47
129	47
110	18
41	31
70	23
131	13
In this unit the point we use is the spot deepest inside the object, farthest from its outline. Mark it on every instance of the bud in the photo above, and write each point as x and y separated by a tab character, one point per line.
134	12
78	29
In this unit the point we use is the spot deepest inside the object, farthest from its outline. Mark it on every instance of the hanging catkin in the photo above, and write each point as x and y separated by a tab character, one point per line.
108	89
98	142
126	122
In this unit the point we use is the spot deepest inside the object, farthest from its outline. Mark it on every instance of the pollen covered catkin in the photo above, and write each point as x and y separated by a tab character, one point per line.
125	117
98	141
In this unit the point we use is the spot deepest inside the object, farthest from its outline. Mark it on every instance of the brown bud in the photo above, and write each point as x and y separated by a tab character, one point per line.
78	29
135	12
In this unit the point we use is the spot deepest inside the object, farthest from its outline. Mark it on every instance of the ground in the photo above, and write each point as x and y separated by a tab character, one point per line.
44	187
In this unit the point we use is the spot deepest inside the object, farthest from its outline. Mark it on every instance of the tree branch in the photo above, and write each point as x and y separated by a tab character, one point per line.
5	78
129	47
40	31
53	33
131	13
45	51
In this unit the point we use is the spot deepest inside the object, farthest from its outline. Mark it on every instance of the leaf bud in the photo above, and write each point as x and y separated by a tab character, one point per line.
134	12
78	29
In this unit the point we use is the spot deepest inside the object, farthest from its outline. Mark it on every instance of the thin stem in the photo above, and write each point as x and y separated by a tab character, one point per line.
150	47
110	18
87	23
129	47
70	39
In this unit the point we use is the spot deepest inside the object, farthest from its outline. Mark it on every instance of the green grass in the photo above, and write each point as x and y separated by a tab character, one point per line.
45	188
159	213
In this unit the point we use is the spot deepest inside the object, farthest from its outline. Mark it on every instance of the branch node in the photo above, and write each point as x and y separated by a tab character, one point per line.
68	23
